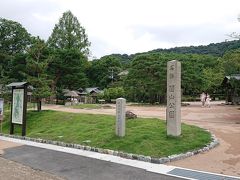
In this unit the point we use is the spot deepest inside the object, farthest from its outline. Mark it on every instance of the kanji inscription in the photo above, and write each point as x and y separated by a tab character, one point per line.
174	98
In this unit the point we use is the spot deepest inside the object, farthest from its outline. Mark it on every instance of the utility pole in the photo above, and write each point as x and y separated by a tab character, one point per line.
111	75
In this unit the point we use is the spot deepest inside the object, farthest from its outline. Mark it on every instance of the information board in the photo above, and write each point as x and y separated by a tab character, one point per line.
17	106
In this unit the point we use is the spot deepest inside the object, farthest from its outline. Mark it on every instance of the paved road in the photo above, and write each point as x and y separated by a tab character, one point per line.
77	167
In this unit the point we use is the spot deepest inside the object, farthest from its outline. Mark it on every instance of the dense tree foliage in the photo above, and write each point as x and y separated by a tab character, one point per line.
215	49
104	72
124	59
231	62
113	93
146	80
5	61
62	65
67	70
36	65
13	37
68	34
70	48
231	66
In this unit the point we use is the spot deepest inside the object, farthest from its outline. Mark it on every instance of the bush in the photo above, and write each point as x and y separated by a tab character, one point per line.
113	93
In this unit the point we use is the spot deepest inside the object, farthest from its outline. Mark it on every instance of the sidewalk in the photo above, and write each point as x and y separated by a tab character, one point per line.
73	164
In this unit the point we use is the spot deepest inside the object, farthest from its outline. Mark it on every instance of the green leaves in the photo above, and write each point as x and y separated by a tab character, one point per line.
13	37
113	93
67	69
231	62
68	34
36	65
104	72
70	48
146	80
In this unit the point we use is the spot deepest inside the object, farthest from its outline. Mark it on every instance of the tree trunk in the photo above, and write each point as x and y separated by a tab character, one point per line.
39	105
53	88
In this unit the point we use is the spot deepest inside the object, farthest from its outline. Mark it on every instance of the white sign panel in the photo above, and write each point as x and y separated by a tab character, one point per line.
17	111
1	109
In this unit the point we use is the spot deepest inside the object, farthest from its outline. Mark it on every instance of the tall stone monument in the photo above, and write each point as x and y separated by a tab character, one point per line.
120	116
173	98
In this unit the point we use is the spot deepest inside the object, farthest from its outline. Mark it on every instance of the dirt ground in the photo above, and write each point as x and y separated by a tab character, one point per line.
10	170
222	120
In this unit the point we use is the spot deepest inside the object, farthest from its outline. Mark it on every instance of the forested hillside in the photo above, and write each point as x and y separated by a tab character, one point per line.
215	49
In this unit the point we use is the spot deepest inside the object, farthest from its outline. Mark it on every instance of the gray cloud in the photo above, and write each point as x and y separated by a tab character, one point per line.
184	35
40	16
24	14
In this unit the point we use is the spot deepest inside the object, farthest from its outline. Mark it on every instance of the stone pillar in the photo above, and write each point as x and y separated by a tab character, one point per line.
173	98
120	116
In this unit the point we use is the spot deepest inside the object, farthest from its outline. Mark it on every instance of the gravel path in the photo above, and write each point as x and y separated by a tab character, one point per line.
10	170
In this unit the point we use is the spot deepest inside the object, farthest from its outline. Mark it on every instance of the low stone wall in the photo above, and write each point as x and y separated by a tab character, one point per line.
162	160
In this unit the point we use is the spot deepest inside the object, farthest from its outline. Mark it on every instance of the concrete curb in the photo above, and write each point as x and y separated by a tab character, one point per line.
162	160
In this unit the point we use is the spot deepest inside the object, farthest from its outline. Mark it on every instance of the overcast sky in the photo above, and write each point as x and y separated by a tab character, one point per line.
130	26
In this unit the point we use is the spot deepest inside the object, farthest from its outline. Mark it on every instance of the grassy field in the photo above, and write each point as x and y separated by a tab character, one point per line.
143	136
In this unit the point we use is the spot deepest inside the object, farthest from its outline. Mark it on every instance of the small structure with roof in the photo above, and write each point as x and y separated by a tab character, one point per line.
82	95
93	92
232	88
87	95
72	97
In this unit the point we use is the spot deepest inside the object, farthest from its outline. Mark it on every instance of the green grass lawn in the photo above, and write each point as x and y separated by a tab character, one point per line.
143	136
86	106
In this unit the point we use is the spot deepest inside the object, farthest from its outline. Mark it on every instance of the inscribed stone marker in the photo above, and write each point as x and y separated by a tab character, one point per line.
120	116
173	98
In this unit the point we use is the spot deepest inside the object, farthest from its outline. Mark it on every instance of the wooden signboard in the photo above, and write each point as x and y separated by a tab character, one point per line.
19	106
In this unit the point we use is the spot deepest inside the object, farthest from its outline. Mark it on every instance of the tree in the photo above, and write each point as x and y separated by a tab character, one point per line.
37	63
13	68
5	64
113	93
231	62
67	70
192	79
231	66
146	80
68	34
212	79
13	37
17	71
104	71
